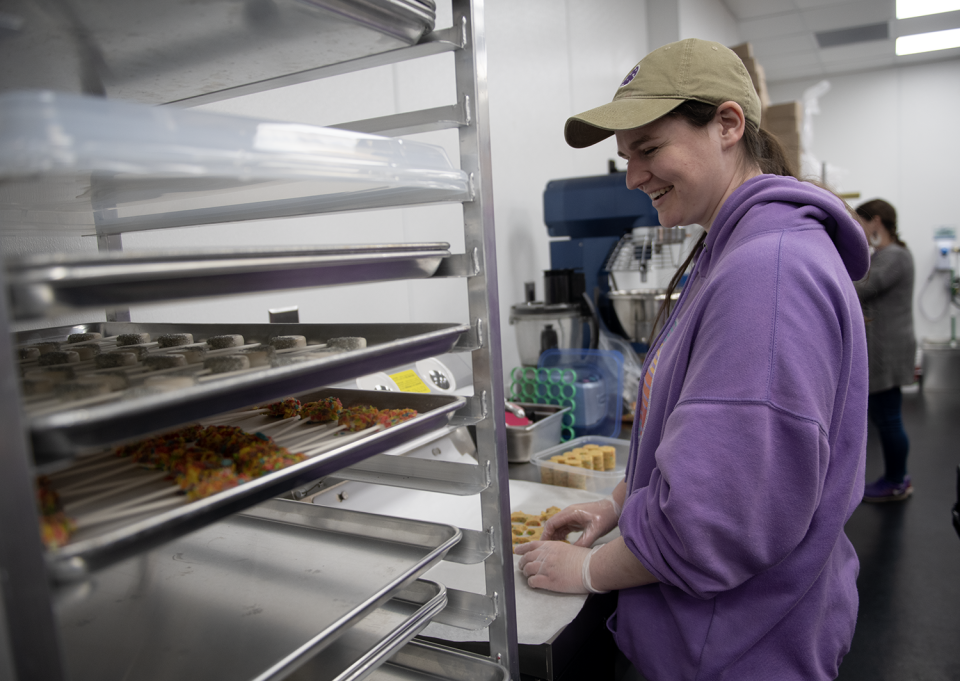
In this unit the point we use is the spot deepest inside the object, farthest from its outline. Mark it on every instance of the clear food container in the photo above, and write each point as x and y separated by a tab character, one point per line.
553	472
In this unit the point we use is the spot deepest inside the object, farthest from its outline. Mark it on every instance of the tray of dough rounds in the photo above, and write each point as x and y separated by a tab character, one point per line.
280	587
71	163
108	506
111	397
184	49
44	285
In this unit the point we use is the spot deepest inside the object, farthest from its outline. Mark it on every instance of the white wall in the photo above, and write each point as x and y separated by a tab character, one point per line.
547	59
708	20
894	135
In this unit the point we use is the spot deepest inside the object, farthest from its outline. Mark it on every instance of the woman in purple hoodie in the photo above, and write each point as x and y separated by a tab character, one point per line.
748	447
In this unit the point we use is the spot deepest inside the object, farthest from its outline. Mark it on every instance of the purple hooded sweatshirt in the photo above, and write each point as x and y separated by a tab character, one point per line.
747	455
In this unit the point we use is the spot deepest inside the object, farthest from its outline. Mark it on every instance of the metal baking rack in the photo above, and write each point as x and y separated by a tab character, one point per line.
379	32
41	286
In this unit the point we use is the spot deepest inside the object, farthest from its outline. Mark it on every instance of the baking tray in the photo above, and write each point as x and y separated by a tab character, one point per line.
251	597
59	435
43	285
161	52
96	549
431	662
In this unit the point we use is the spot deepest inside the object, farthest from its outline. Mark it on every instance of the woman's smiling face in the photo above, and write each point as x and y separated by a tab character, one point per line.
686	171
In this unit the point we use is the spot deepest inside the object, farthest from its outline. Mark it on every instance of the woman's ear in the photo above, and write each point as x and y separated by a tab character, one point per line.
732	123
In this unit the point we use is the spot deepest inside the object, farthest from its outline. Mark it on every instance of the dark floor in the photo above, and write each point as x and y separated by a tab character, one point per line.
909	621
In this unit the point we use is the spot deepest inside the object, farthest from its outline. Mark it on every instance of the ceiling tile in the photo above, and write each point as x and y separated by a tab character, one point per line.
749	9
845	15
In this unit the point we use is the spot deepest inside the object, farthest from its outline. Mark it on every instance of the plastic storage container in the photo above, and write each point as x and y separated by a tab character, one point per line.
86	161
565	475
590	382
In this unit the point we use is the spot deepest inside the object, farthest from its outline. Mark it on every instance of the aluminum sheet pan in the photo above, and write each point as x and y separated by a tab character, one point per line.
44	285
183	48
93	551
59	435
418	661
252	597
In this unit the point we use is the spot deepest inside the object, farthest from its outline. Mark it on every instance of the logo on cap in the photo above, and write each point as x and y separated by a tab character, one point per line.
630	76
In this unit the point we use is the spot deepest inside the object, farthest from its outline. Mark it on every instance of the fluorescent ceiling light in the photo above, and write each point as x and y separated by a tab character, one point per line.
928	42
921	8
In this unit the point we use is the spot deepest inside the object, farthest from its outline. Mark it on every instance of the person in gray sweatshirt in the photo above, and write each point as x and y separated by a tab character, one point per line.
886	294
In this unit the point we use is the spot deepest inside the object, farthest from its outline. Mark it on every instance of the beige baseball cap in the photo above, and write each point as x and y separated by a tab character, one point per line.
694	69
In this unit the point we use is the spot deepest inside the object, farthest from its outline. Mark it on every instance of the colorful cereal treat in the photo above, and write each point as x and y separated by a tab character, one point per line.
327	409
285	408
391	417
358	418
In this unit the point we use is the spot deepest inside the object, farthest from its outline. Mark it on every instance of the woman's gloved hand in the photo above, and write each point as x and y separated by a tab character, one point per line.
557	566
594	519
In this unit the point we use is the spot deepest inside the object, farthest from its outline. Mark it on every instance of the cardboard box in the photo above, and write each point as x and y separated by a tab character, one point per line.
759	78
787	111
743	50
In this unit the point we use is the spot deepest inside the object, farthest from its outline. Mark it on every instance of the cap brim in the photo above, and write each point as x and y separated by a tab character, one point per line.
598	124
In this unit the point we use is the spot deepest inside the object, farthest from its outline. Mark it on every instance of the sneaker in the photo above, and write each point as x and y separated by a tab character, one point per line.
884	490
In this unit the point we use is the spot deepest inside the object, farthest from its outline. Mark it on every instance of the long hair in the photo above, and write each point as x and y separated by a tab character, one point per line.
759	148
886	213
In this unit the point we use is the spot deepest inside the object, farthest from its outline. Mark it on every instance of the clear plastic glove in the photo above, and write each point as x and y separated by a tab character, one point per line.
594	519
556	566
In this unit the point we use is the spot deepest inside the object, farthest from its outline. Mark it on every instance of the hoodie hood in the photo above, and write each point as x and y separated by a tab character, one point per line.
786	200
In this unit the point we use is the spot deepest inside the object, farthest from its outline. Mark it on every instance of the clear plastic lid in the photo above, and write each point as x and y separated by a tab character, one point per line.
78	162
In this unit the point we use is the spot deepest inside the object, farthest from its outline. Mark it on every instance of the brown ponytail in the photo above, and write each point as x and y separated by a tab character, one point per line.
886	213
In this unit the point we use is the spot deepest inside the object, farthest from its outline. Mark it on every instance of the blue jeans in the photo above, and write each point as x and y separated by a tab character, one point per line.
884	411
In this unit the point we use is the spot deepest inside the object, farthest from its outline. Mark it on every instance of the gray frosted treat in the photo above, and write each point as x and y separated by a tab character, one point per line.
86	351
37	386
348	343
168	383
287	360
262	356
58	357
117	380
222	364
57	374
230	340
117	358
168	361
287	342
83	337
173	340
47	346
28	354
82	388
195	354
133	338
